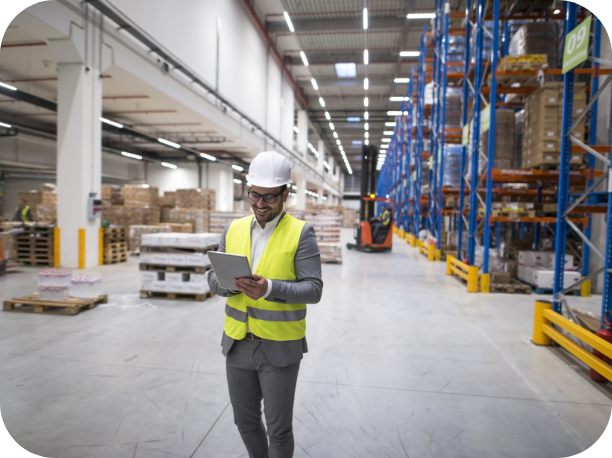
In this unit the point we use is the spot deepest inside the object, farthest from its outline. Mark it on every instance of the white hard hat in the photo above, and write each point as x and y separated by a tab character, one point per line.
269	170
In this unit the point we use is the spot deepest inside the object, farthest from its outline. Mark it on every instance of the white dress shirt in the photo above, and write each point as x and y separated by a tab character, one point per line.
260	236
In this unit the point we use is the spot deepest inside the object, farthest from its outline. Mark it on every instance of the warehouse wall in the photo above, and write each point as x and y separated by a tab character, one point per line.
185	176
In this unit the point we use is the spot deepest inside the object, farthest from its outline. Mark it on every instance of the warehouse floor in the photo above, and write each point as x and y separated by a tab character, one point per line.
403	362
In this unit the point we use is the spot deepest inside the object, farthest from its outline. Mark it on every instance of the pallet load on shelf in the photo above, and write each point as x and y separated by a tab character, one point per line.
196	198
452	165
34	246
137	231
46	211
197	217
115	244
175	265
523	63
536	268
453	107
510	210
327	231
504	140
111	195
519	127
218	220
542	128
537	38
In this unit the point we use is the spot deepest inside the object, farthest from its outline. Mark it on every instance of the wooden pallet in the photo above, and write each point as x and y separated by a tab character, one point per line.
110	258
177	269
115	246
35	259
176	296
115	234
538	290
514	287
168	249
48	230
331	261
71	306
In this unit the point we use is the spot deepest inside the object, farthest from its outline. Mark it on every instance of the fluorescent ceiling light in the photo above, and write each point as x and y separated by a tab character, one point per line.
386	140
366	83
401	80
557	11
294	187
321	101
338	142
399	99
169	143
327	116
366	126
346	70
409	54
366	57
326	165
366	116
335	134
112	123
357	142
366	101
237	181
314	84
208	156
296	130
353	119
303	56
388	132
396	113
8	126
289	23
367	142
170	166
366	134
384	146
331	126
237	167
365	19
4	85
390	124
421	15
133	156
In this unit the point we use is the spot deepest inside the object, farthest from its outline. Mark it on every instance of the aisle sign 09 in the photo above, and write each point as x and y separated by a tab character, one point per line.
576	45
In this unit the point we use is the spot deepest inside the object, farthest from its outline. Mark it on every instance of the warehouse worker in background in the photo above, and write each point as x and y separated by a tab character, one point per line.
265	318
378	223
22	212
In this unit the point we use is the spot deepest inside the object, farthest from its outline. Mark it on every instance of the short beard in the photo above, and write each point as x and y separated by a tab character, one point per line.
274	212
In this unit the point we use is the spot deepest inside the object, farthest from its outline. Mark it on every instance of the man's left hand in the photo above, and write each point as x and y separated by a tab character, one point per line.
255	288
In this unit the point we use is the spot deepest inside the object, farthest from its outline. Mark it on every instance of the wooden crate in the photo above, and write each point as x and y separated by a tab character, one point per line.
70	306
176	296
34	246
115	252
115	234
514	287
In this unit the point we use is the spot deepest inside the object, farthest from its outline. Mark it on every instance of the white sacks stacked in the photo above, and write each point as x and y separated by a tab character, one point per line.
176	262
537	269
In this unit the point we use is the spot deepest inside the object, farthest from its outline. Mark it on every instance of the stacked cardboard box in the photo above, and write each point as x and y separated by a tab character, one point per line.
168	199
218	220
198	218
9	247
504	140
111	195
136	232
125	215
186	228
327	231
537	269
196	198
542	128
31	198
140	195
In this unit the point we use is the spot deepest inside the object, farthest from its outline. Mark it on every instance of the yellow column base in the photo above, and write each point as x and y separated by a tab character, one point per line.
539	338
101	246
449	263
413	240
485	280
472	283
438	255
56	247
418	243
81	248
430	252
585	289
394	230
401	233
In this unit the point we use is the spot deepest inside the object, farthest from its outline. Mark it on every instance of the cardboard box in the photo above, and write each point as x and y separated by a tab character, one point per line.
543	278
9	250
530	258
500	277
49	197
140	195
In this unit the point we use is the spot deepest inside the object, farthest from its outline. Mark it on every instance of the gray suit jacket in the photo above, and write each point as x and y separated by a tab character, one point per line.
307	289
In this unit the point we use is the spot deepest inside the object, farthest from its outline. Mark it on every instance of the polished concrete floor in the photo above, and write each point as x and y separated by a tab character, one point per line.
403	362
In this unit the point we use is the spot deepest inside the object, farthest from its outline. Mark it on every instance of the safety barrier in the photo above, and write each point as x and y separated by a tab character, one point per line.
81	248
401	233
461	269
427	250
56	247
100	246
544	334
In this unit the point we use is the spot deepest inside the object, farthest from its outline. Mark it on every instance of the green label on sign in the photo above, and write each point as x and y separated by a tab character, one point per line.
576	45
466	135
485	120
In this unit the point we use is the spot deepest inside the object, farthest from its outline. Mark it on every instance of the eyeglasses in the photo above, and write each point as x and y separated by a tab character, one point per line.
267	198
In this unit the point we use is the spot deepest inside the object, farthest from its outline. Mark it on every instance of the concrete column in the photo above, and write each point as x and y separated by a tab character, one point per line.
302	136
301	194
79	137
222	181
321	158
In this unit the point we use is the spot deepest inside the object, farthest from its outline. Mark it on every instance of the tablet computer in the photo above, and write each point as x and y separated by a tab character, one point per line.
228	266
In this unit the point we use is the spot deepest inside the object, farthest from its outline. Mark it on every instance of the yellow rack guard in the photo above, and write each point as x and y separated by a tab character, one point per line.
461	269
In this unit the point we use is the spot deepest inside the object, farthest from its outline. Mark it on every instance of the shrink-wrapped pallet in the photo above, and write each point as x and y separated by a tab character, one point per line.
197	217
218	220
137	231
186	228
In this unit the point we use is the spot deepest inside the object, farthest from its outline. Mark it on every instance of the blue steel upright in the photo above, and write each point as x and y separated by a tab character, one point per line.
564	166
418	164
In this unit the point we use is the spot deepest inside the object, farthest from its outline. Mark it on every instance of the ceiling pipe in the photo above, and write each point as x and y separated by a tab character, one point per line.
278	57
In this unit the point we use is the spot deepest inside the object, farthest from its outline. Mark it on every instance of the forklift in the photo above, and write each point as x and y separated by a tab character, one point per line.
362	230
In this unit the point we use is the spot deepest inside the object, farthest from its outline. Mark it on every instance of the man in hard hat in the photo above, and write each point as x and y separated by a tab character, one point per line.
378	223
265	318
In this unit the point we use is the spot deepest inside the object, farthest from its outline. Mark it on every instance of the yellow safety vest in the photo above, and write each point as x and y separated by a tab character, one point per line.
24	214
386	218
269	320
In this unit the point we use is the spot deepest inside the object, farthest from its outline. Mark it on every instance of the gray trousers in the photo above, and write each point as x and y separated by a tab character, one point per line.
250	378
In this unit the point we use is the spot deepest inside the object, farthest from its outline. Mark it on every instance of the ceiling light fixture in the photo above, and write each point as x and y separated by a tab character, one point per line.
288	20
366	116
170	166
331	126
365	19
303	56
390	124
4	85
386	140
321	101
237	181
421	15
367	142
335	134
366	135
169	143
399	99
410	54
346	69
388	132
314	84
401	80
366	101
8	126
366	126
338	142
296	130
133	156
112	123
327	116
366	57
353	119
208	156
366	83
396	113
237	167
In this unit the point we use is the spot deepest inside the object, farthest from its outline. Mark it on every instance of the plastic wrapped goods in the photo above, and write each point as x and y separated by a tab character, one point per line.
85	286
519	120
453	107
537	38
53	293
137	231
53	277
452	165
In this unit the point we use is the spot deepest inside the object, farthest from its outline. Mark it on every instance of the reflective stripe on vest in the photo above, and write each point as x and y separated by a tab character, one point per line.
270	320
386	218
24	214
